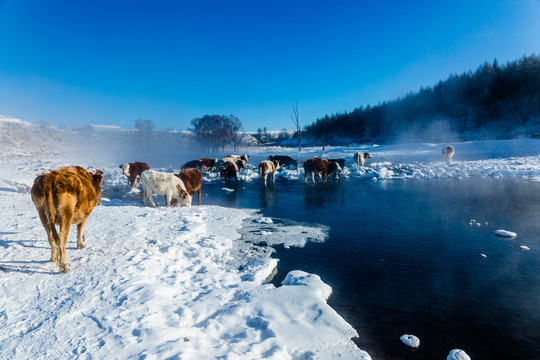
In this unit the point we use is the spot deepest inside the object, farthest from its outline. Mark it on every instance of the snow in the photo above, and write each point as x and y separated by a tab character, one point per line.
263	220
505	233
458	354
410	340
523	247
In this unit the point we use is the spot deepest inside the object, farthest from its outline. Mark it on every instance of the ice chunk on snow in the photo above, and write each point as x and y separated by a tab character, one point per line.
458	354
227	190
505	233
263	220
523	247
483	255
298	277
410	340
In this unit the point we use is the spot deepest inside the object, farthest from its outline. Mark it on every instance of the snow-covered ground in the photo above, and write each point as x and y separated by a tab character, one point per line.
190	283
155	283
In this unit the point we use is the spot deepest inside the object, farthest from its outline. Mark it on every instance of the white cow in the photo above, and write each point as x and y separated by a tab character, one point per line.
448	152
360	158
155	182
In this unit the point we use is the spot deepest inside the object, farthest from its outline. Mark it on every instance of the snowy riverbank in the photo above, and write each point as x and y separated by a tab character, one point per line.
158	283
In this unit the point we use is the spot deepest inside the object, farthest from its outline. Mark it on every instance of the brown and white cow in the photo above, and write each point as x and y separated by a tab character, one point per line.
229	170
268	167
192	179
360	158
315	166
244	157
133	171
63	197
206	163
448	152
156	182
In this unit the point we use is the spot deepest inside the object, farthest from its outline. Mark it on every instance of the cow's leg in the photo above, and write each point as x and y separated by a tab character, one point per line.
305	176
168	198
313	176
264	178
80	235
65	223
151	199
50	235
199	192
138	178
274	177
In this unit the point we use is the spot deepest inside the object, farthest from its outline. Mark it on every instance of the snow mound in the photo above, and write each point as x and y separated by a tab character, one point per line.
505	233
410	340
458	354
523	247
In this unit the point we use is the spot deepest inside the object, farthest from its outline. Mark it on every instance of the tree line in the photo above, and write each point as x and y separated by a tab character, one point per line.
492	102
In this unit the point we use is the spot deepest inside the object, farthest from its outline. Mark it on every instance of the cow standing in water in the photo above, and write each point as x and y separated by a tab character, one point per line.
64	197
314	167
448	152
268	167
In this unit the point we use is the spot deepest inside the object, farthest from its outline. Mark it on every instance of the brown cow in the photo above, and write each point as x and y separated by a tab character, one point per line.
448	152
229	170
64	197
317	166
268	167
133	171
201	163
192	179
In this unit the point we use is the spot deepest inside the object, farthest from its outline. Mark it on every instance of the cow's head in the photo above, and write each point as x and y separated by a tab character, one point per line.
97	176
334	167
367	156
181	196
125	167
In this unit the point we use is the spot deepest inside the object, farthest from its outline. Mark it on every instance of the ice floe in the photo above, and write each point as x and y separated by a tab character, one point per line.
410	340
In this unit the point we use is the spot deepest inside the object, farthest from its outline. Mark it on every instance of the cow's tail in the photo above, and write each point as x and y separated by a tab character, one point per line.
260	171
47	191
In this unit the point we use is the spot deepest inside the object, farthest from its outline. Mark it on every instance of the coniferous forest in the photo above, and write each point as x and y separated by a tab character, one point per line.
493	102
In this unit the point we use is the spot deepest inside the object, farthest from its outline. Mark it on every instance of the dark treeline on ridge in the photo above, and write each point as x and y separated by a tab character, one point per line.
494	102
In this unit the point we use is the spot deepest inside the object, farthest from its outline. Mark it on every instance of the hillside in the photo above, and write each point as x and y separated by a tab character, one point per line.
19	139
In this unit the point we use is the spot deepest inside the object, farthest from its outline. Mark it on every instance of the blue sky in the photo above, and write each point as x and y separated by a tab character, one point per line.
111	62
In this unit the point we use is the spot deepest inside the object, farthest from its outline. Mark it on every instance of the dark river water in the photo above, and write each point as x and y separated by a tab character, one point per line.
402	258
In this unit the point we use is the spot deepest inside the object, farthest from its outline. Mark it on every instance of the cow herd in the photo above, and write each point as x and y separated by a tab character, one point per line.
68	195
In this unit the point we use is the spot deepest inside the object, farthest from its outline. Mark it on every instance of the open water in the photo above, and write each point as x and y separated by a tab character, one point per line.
402	258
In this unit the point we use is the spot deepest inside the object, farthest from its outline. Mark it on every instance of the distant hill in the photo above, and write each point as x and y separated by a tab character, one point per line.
494	102
20	138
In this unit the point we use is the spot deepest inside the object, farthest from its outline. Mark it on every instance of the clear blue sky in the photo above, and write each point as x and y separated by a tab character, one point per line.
111	62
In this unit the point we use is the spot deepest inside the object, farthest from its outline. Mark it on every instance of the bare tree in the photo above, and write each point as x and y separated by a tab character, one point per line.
234	126
146	132
296	120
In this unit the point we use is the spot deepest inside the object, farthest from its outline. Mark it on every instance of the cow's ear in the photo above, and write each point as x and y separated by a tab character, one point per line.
98	177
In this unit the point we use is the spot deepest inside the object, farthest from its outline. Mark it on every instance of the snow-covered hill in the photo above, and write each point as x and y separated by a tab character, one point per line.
20	139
